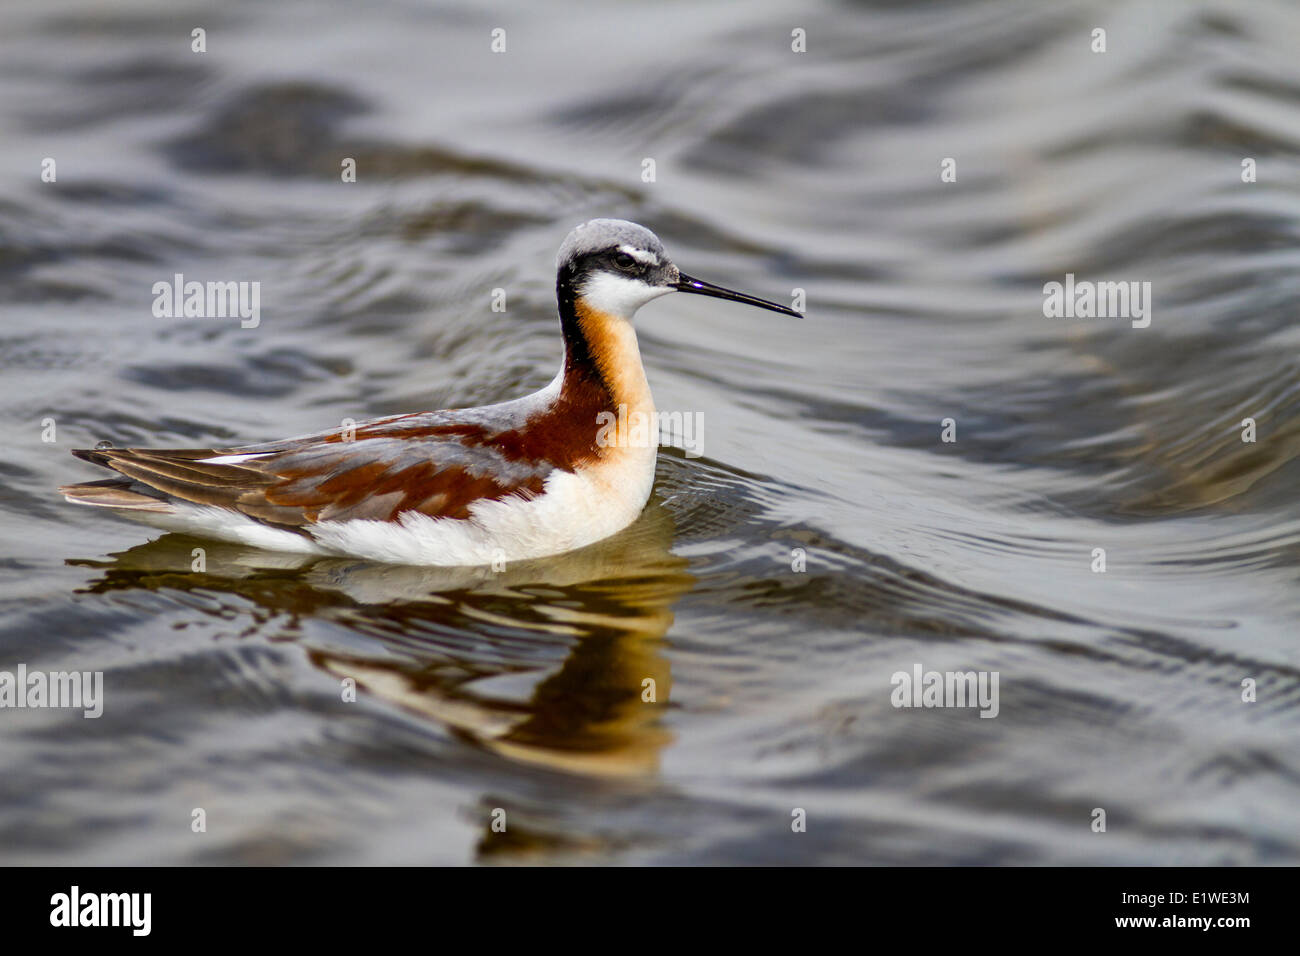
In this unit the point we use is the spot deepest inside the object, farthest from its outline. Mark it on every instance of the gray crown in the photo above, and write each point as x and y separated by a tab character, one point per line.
600	234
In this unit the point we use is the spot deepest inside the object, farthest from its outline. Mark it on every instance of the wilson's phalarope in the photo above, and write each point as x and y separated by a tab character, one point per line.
523	479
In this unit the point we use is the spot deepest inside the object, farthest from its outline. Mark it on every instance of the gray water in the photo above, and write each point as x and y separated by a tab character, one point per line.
522	691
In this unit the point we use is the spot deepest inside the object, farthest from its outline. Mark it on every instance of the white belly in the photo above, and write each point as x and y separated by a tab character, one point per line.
575	509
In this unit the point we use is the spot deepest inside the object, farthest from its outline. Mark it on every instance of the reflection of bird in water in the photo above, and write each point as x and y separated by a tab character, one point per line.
554	662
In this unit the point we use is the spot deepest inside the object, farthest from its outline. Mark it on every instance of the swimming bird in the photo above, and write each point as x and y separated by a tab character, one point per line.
537	476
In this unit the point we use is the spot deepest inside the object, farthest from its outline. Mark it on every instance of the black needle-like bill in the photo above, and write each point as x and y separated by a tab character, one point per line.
698	287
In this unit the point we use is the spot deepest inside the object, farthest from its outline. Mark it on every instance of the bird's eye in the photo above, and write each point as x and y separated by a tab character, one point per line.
624	261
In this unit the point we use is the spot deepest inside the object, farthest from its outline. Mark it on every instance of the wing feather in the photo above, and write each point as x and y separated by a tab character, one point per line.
441	473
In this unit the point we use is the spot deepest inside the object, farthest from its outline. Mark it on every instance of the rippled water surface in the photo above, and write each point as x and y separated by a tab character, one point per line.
774	170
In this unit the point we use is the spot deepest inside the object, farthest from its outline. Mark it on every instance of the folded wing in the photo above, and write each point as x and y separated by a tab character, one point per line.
440	472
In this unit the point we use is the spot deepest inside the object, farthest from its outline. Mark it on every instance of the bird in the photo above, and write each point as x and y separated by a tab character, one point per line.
530	478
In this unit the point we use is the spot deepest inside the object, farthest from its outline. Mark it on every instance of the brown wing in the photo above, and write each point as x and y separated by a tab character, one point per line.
301	482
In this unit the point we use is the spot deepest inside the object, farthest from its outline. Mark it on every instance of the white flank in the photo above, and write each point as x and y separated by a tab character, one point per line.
575	509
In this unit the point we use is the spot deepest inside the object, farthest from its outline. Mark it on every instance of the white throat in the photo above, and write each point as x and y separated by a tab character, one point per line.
616	295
